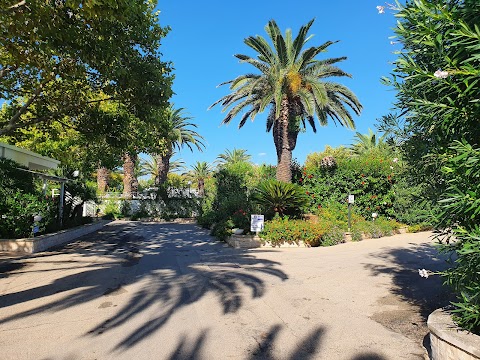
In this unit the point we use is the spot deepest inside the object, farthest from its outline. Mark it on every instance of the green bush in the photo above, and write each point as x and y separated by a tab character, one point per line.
112	210
284	230
20	201
222	229
461	212
17	221
276	197
230	206
333	236
370	177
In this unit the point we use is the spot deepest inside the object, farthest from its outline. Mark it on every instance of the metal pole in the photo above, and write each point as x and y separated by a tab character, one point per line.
62	197
349	217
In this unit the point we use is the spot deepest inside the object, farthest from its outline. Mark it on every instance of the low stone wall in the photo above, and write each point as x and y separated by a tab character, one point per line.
44	242
254	241
448	342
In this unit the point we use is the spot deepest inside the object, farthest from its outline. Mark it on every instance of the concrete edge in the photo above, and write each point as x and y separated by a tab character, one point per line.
440	324
44	242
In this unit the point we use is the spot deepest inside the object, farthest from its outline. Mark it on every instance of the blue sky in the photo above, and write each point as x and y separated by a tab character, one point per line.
205	35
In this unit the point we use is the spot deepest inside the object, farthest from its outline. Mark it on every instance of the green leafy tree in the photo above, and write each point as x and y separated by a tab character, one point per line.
56	54
292	82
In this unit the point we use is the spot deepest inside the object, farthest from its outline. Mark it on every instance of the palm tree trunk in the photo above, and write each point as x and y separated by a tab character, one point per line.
201	187
130	182
102	179
163	167
285	141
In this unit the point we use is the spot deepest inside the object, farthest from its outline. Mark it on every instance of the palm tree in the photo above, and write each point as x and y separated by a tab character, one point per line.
199	172
368	142
232	157
130	182
149	166
102	179
292	83
176	134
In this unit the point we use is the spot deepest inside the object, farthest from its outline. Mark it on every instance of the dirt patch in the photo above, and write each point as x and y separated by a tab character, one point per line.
401	317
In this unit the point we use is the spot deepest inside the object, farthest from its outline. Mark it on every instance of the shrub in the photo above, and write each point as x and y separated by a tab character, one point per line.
276	197
18	220
222	229
333	236
374	229
112	210
369	176
20	201
284	230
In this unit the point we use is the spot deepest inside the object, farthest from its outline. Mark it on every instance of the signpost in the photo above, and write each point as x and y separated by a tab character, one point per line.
256	223
351	200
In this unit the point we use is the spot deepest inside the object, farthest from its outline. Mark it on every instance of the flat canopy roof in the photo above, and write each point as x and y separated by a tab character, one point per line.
27	158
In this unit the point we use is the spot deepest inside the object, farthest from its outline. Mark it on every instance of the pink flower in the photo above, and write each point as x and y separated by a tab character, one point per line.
381	9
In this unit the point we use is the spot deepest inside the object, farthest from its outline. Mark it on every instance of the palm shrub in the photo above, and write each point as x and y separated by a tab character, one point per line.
276	197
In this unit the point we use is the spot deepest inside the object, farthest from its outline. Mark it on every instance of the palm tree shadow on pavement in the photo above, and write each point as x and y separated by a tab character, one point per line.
174	265
416	296
307	348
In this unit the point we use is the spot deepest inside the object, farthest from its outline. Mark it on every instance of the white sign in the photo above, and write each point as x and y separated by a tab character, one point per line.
351	199
256	223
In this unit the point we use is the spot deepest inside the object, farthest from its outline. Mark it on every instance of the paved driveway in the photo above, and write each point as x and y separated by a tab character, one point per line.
169	291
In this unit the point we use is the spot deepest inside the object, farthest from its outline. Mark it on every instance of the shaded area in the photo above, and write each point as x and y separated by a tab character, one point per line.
176	264
188	350
308	347
9	266
413	297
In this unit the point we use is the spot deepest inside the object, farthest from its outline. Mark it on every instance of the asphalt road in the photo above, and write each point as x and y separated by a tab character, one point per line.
169	291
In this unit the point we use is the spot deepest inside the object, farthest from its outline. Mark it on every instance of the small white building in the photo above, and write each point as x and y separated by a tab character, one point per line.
27	158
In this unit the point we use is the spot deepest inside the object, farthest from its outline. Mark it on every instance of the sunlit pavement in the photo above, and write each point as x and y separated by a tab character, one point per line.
169	291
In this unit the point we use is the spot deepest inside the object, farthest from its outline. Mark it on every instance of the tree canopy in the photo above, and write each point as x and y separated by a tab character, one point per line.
60	58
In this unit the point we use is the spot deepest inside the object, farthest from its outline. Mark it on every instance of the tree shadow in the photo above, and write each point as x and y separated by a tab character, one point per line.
187	350
307	348
403	265
174	265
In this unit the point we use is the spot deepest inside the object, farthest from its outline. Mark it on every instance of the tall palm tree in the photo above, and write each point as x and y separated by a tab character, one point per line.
130	182
102	179
199	172
176	134
368	142
231	157
292	83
